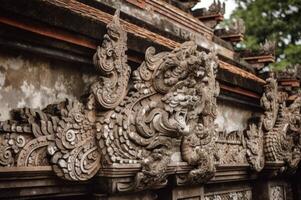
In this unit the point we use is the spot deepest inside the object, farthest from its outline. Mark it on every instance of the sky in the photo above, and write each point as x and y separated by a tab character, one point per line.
230	6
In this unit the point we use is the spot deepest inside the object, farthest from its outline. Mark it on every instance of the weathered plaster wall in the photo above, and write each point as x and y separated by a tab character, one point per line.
35	81
232	117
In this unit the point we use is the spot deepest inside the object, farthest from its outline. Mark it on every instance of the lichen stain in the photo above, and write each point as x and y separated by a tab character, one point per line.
28	81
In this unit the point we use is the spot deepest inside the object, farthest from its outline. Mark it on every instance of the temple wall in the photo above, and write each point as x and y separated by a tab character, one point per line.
35	81
232	117
156	142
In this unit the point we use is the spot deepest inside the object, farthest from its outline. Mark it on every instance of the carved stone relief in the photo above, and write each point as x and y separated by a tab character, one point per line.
254	134
231	148
172	103
276	137
277	193
111	61
233	195
171	99
174	98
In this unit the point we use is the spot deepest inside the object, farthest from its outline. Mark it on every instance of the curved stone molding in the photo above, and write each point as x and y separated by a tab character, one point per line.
110	61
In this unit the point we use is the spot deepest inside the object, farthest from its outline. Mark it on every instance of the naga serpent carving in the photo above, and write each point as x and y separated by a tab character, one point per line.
276	138
173	98
255	133
282	143
174	95
172	102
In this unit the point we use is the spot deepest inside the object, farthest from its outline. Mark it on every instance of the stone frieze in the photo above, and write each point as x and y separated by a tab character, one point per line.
172	103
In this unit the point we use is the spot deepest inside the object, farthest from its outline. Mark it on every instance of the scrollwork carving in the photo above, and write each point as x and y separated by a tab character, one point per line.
254	145
255	133
73	150
269	101
198	146
276	137
282	143
62	131
172	90
111	62
173	99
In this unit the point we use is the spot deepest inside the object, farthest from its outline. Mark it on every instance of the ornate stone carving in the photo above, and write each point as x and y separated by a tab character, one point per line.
270	103
255	133
197	147
215	8
231	149
173	98
282	143
63	131
174	94
254	144
282	126
111	61
66	131
73	150
237	195
276	137
24	138
277	192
